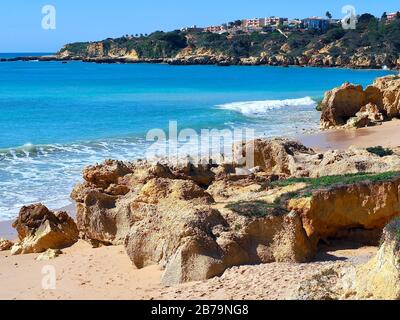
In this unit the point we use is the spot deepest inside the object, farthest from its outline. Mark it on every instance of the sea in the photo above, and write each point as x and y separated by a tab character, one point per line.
56	118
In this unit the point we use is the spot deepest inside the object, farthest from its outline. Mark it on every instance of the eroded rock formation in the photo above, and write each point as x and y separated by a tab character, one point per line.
377	279
197	221
366	205
40	229
380	277
353	106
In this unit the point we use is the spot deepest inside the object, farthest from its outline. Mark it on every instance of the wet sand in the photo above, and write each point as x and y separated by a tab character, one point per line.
385	135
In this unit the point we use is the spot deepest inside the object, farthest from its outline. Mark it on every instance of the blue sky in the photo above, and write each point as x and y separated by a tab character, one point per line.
82	20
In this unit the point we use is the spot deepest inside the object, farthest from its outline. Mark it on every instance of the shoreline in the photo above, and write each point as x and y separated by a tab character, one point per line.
182	62
386	135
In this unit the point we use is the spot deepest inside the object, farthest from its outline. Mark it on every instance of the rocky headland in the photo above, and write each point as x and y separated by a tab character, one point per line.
373	44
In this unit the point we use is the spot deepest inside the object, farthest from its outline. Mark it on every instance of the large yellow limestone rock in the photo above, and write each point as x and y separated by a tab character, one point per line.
366	205
390	90
40	229
177	226
341	103
379	278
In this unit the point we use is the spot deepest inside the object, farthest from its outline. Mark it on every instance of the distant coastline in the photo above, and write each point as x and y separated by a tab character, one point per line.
184	62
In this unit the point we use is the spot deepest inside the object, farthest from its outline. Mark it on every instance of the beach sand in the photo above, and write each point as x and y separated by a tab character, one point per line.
84	273
107	273
81	273
385	135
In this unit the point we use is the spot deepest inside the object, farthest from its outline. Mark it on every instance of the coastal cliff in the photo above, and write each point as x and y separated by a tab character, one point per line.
373	44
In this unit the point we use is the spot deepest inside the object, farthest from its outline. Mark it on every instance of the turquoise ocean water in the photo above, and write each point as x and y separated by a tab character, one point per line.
56	118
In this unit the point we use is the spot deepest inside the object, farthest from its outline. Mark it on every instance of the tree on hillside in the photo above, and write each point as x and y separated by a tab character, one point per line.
384	17
328	15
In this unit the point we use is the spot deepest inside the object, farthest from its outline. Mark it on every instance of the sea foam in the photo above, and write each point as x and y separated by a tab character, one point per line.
262	108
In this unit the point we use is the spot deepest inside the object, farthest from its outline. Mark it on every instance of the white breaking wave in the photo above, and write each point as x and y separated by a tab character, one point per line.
261	108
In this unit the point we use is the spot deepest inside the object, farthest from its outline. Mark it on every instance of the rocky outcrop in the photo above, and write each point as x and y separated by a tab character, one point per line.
5	244
352	106
274	156
380	277
289	158
179	228
40	229
340	104
196	221
104	212
165	215
365	205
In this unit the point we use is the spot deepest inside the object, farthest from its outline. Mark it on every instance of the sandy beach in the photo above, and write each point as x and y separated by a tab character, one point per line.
85	273
81	272
386	135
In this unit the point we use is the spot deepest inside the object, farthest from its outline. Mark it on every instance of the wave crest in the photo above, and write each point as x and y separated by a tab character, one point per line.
262	108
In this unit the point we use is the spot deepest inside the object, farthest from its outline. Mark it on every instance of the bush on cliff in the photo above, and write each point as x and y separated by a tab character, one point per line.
380	151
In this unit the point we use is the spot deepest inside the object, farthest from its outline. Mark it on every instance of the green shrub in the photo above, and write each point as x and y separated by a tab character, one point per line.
255	209
327	181
313	184
380	151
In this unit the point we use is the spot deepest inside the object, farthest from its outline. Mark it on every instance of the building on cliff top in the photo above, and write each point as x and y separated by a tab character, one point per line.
393	16
192	29
216	29
316	23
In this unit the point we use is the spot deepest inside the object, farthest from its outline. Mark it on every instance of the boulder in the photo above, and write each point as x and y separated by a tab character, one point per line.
40	229
375	96
283	157
340	104
350	161
380	101
274	156
5	244
380	277
171	216
360	121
